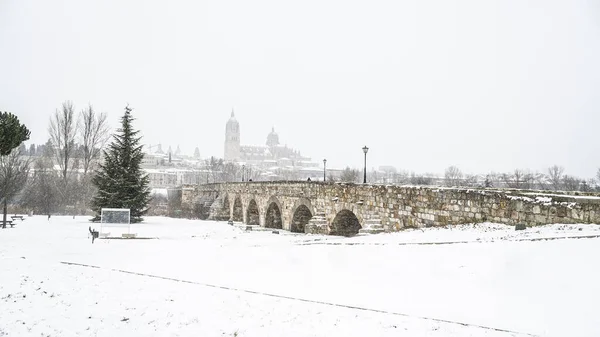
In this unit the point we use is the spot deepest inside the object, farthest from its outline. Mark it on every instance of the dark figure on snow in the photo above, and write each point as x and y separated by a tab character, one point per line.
94	234
308	179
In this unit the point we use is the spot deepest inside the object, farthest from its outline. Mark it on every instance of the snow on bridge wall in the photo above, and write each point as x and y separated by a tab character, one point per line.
395	207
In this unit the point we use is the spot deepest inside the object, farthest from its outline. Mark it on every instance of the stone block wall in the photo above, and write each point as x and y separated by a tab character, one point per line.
399	207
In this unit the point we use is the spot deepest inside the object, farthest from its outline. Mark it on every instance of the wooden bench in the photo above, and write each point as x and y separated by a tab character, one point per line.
7	222
15	217
129	235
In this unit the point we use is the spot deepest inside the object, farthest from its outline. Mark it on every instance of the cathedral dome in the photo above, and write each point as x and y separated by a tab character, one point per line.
272	138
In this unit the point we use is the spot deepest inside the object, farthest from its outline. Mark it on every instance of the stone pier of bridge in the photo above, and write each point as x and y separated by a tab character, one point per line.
347	209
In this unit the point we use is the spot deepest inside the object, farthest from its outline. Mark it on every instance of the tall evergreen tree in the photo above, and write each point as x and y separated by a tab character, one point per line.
120	181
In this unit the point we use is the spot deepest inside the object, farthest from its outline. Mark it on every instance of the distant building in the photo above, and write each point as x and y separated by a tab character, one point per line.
272	152
273	159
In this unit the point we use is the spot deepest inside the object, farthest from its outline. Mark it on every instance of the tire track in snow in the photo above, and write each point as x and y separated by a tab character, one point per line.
303	299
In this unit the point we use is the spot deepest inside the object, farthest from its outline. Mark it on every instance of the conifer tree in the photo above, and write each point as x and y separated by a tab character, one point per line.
120	181
12	133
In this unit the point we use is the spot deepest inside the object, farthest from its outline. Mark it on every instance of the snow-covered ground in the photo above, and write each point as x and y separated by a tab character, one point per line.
202	278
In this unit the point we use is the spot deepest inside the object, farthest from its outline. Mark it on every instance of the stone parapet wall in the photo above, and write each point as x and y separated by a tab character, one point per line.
411	206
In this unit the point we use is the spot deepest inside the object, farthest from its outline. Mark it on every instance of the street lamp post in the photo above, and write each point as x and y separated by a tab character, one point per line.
243	171
365	150
324	169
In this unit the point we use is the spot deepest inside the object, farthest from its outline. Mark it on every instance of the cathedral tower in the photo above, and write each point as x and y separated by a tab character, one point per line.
232	139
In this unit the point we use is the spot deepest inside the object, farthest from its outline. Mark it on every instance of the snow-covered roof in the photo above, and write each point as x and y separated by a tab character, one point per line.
160	191
310	169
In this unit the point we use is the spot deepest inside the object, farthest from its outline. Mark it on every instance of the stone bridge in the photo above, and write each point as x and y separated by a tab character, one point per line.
347	209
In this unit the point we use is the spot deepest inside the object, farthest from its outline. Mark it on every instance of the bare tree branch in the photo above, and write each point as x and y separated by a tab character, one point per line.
94	135
555	174
453	176
350	175
14	170
41	194
518	179
570	183
63	130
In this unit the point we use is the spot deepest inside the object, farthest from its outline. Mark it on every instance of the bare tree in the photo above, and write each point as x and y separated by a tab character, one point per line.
252	173
518	179
528	181
232	172
570	183
488	182
63	131
158	205
214	166
540	180
14	170
555	175
388	174
94	135
470	180
94	130
41	194
374	176
420	179
453	176
493	179
402	177
350	175
507	179
587	185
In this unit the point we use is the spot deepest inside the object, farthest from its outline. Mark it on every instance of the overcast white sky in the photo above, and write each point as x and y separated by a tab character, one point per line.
483	85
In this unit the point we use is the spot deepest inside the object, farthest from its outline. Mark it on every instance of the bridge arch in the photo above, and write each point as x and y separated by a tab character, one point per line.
302	212
273	218
252	213
237	213
226	205
345	223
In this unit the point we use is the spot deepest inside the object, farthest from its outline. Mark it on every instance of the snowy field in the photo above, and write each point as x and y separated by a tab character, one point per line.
202	278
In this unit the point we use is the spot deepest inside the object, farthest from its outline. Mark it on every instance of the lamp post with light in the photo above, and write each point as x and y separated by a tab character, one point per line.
324	168
243	171
365	150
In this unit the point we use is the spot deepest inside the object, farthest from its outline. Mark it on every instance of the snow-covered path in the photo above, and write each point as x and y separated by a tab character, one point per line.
538	287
